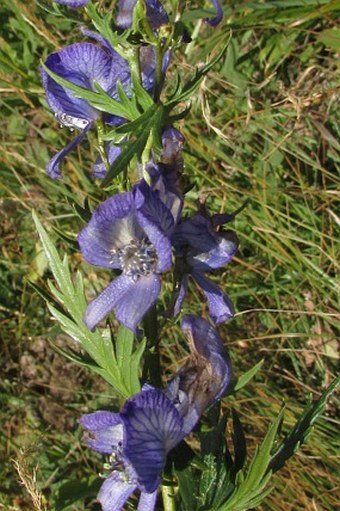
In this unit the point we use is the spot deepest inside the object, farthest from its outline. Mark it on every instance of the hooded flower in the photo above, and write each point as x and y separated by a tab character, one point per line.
129	232
154	11
166	175
199	248
83	64
153	422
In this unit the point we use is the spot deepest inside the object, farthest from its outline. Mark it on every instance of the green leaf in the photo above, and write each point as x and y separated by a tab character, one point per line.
149	123
302	429
245	378
190	87
128	360
71	296
251	485
123	160
239	442
330	38
99	100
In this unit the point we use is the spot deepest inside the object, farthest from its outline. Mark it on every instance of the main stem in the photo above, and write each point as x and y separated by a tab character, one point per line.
152	366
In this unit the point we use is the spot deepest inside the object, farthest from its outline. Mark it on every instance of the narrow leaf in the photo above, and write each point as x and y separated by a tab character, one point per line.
302	429
245	378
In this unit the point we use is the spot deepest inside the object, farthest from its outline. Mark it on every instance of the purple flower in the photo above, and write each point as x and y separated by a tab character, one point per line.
200	248
129	232
153	422
166	175
219	14
82	64
204	376
138	440
154	11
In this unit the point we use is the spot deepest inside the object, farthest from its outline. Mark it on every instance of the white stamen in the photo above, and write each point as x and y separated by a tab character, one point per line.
71	122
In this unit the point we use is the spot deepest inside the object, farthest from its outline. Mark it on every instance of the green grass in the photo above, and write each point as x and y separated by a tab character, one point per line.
262	127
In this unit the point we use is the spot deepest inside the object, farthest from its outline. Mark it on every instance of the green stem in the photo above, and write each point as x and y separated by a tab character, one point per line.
152	366
134	62
100	125
159	73
168	496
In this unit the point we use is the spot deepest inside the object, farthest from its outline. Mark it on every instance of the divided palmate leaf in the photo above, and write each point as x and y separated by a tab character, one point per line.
184	93
98	345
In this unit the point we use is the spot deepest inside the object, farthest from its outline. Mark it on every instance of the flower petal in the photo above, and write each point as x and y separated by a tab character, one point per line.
223	247
154	10
205	340
147	501
99	168
112	226
114	492
181	294
129	299
153	427
204	248
164	179
53	166
105	430
156	221
219	14
81	64
220	306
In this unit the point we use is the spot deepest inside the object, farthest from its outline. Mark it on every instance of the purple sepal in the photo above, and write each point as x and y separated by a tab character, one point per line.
128	298
112	226
207	247
156	221
219	14
147	501
163	179
205	374
105	430
220	306
154	11
172	142
149	427
205	340
115	491
183	287
153	427
199	248
53	166
81	64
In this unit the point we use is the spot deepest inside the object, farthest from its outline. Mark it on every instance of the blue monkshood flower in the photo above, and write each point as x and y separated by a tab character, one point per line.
219	14
130	232
83	64
165	176
154	11
153	422
72	3
205	375
199	249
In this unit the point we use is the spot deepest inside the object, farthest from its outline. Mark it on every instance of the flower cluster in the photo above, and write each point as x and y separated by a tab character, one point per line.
140	234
